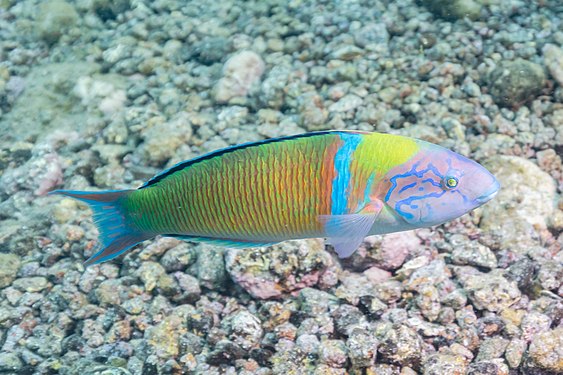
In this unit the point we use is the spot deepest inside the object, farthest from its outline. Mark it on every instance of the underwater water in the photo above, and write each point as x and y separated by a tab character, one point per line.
102	95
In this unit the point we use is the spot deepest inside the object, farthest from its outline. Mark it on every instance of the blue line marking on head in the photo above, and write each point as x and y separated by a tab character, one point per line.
409	200
407	187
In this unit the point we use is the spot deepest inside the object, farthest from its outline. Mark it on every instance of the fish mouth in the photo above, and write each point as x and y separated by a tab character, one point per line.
491	192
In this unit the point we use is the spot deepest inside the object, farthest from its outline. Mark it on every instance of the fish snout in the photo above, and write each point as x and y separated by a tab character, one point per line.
489	193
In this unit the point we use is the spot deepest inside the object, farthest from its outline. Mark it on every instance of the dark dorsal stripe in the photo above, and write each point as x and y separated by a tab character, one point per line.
186	163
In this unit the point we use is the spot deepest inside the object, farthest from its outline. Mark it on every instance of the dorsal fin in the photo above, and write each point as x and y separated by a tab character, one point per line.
212	154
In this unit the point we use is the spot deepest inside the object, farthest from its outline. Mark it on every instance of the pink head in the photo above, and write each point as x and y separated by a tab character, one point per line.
435	186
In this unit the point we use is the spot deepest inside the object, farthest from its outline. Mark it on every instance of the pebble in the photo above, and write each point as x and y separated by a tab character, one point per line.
491	292
333	353
346	103
457	9
526	205
9	266
150	274
546	351
108	293
210	266
55	17
496	367
282	268
534	323
246	330
445	364
240	73
31	284
474	254
163	337
158	145
401	345
346	318
390	251
428	301
515	351
308	343
10	362
553	57
189	286
362	348
346	53
512	83
491	348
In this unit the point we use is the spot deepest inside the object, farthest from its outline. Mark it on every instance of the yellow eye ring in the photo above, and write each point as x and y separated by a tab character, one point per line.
451	182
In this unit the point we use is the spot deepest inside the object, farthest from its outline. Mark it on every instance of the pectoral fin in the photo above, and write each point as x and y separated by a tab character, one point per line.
346	232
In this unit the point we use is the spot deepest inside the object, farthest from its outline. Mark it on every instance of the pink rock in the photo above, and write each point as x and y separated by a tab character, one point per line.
392	249
377	275
50	176
280	269
240	72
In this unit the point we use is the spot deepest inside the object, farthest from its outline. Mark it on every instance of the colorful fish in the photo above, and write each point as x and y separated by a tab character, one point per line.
344	185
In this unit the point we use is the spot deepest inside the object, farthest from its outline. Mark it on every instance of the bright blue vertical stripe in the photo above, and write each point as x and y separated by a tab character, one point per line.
341	182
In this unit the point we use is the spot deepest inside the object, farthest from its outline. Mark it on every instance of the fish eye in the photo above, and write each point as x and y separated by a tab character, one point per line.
450	182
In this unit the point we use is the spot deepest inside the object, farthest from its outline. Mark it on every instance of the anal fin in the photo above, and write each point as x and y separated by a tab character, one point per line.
221	241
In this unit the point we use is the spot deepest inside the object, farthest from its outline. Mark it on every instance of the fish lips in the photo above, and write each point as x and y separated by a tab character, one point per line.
489	194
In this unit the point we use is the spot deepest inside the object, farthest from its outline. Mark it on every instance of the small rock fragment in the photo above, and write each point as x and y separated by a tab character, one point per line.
456	9
491	292
279	269
55	17
240	73
512	83
445	364
31	284
401	345
246	330
9	266
362	348
474	254
516	213
333	353
546	351
514	352
553	56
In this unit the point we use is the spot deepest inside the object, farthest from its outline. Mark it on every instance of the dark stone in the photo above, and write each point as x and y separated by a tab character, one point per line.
372	307
109	10
483	368
489	326
212	50
226	352
345	316
512	83
201	322
262	356
522	271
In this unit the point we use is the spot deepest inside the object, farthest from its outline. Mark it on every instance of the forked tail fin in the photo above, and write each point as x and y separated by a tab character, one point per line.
116	234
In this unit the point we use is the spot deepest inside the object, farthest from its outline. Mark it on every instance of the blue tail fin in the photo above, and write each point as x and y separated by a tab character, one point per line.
116	235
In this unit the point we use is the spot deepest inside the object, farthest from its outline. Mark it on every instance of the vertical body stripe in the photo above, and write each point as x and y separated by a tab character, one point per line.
341	182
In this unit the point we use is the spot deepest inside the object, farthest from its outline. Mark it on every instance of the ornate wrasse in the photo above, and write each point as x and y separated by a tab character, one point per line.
343	185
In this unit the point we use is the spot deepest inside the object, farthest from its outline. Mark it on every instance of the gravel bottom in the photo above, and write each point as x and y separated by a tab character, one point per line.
98	94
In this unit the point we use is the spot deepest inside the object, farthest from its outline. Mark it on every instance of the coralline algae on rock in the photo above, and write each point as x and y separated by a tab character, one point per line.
280	269
523	205
240	73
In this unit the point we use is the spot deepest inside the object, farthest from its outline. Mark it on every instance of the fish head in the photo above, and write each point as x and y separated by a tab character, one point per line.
436	185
